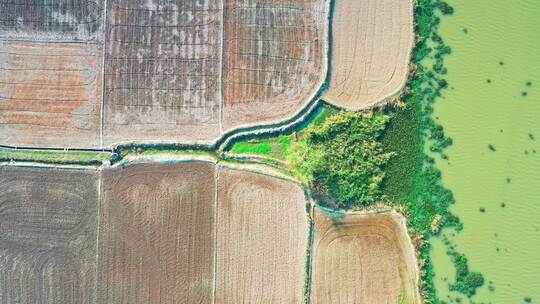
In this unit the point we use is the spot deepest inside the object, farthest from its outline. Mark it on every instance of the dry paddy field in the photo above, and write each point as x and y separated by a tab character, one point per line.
189	71
362	258
79	74
48	220
50	73
262	236
372	41
189	232
157	234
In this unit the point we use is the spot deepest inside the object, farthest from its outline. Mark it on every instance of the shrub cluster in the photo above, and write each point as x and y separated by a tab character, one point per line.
343	158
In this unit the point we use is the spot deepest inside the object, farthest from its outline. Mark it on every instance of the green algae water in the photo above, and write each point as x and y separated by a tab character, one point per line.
492	112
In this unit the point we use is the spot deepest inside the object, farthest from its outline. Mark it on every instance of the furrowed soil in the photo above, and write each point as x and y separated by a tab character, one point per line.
163	71
50	73
372	41
47	235
261	239
163	67
50	94
359	258
190	232
157	234
274	59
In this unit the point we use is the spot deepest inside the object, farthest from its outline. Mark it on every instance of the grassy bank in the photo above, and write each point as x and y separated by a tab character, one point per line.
56	157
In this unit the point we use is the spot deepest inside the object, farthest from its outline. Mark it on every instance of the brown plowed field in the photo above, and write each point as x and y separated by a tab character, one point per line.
273	58
50	94
360	258
47	235
372	41
261	239
157	234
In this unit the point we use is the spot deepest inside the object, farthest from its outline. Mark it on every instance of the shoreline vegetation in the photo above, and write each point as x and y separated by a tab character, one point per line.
353	160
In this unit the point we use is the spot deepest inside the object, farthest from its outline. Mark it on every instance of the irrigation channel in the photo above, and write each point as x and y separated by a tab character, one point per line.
492	113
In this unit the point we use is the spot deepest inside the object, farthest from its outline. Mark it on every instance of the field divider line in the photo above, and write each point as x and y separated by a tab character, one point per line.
216	185
220	75
104	53
98	231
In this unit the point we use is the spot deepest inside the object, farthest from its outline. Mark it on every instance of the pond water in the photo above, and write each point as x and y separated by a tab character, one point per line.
494	99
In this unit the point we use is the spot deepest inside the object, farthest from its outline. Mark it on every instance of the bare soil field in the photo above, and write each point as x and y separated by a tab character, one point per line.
48	220
157	234
50	94
56	19
372	41
189	72
189	232
261	239
359	258
163	67
274	58
173	72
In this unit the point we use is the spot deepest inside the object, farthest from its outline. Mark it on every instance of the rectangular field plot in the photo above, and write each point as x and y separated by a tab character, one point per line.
273	58
372	42
51	19
168	78
261	239
48	221
157	234
359	258
50	94
163	71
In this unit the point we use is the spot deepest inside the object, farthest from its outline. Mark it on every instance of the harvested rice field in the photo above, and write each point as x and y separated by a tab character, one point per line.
74	20
261	239
50	94
190	232
372	42
78	74
50	73
190	72
362	258
157	234
163	66
274	59
48	220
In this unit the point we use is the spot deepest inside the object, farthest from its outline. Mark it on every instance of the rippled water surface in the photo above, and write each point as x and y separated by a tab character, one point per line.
494	99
